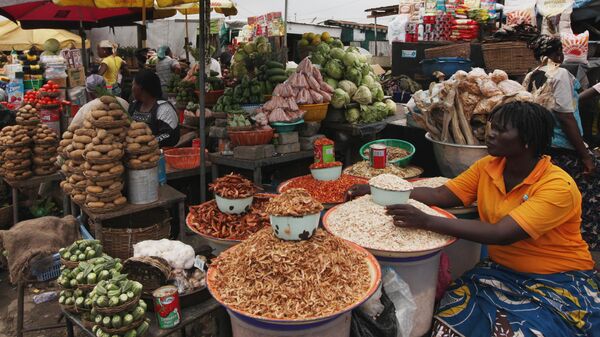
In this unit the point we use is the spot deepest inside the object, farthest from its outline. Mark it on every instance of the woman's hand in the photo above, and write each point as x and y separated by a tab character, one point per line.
408	216
589	166
356	191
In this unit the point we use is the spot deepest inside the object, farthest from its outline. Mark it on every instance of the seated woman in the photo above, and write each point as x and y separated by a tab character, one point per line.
149	107
539	280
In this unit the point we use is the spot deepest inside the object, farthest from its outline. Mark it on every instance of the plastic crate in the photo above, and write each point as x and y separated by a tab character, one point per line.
54	271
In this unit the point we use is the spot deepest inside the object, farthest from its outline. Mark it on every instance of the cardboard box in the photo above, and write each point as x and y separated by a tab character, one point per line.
76	77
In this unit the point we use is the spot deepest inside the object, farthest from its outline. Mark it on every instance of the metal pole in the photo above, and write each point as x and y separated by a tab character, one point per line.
204	6
187	39
375	36
285	25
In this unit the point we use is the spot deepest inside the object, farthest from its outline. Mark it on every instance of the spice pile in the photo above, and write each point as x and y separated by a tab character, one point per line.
208	220
233	186
393	153
365	223
321	165
279	279
363	169
390	182
296	202
325	192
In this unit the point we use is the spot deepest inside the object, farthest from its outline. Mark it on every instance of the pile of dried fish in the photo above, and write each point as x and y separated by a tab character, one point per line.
233	186
293	202
456	110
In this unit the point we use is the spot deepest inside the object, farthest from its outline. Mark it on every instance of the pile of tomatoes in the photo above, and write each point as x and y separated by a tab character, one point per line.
50	89
48	102
31	97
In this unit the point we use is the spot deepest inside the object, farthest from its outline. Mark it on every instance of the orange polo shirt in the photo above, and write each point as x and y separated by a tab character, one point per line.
547	205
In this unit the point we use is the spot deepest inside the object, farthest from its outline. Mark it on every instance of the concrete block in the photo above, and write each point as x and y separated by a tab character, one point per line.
287	138
221	122
253	152
287	148
309	129
217	132
308	143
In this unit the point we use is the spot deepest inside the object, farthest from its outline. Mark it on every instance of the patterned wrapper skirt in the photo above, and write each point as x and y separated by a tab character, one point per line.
568	160
492	301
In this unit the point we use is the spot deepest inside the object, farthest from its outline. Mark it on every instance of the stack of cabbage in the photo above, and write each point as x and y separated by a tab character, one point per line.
352	77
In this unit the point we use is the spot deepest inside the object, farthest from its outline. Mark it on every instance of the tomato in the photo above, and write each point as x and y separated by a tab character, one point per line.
55	86
50	82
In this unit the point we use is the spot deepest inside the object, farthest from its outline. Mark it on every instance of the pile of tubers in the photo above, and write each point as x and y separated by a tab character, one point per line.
16	153
141	147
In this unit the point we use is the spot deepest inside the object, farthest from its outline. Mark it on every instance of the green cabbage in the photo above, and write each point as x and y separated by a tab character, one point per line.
391	106
52	46
337	53
334	69
350	59
318	58
348	86
337	44
323	48
362	58
352	49
339	98
363	95
366	69
352	115
354	75
367	80
332	82
373	113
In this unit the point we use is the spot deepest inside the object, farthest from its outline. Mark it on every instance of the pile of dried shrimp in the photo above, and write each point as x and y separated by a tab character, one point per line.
278	279
233	186
293	202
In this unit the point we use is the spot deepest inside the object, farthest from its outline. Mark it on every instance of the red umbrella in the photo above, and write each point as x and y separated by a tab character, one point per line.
44	14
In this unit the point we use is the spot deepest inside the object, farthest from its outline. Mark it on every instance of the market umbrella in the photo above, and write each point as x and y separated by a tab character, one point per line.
45	14
14	37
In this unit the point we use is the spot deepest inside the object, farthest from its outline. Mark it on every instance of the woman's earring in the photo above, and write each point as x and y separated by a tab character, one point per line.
526	146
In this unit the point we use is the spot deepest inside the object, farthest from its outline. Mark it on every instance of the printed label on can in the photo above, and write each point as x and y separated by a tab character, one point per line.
166	306
378	156
324	153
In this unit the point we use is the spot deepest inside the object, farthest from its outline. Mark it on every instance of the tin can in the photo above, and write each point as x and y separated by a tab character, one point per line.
378	156
324	152
196	142
166	306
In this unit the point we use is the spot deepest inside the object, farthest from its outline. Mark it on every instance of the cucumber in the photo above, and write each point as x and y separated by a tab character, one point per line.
79	301
114	293
123	298
138	313
116	321
274	64
98	319
102	301
275	71
78	293
278	79
128	319
130	333
141	330
113	302
143	305
106	321
61	300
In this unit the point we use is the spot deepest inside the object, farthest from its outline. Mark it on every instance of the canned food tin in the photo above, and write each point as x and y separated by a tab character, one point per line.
324	151
378	156
166	306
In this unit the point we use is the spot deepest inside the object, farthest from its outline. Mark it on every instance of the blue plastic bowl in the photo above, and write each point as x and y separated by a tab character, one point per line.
447	65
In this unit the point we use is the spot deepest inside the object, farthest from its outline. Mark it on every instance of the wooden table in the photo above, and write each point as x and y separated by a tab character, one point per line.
254	165
34	181
189	316
167	195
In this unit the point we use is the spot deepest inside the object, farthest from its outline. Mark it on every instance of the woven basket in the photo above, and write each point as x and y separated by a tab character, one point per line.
515	58
85	288
104	210
123	329
144	150
120	308
104	159
109	125
29	122
120	234
69	308
462	50
21	155
103	178
151	271
69	264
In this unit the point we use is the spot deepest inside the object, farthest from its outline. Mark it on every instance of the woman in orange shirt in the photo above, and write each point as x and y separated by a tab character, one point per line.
539	280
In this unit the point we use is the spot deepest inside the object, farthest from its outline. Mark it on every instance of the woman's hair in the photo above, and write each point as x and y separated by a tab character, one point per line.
545	45
149	82
534	123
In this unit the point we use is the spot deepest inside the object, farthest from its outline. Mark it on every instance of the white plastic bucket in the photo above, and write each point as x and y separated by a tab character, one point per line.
247	327
463	255
142	186
421	275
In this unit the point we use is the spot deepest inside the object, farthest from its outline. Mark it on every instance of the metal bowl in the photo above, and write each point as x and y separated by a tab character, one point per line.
453	159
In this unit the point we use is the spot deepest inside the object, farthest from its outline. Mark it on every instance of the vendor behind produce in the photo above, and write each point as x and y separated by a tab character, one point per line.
539	280
149	107
166	67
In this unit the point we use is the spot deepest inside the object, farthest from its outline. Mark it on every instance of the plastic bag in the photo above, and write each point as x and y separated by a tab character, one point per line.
399	293
575	47
384	325
397	28
556	16
520	11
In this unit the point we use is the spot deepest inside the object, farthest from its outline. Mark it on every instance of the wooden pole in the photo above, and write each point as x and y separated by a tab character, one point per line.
144	24
187	39
204	6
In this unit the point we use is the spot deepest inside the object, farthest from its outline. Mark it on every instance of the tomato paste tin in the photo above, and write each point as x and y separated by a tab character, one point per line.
166	306
378	156
324	151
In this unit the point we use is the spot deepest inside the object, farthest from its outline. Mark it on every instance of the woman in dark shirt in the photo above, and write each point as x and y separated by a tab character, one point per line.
149	107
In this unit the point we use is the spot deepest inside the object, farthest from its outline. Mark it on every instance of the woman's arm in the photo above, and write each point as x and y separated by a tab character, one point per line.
440	196
102	70
168	133
507	231
569	126
588	94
